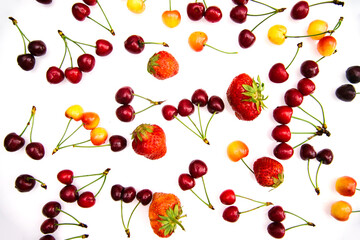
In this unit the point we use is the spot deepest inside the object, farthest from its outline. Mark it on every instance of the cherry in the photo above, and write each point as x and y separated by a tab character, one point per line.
346	92
55	75
129	194
283	151
239	2
47	237
300	10
26	182
195	11
69	193
116	192
325	156
197	168
26	61
306	86
283	114
124	95
37	48
80	11
35	150
90	2
44	1
169	112
200	98
293	97
125	113
86	200
215	105
135	44
228	197
276	214
276	229
50	225
307	152
246	38
51	209
73	74
353	74
185	107
144	196
117	143
213	14
103	47
231	214
281	133
309	69
13	142
186	181
239	13
86	62
65	176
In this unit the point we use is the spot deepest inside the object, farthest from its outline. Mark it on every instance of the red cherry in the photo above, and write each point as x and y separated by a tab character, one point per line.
80	11
307	152
125	113
283	151
200	97
26	61
185	107
55	75
246	38
283	114
169	112
134	44
116	192
90	2
276	229
278	73
35	150
195	11
74	74
300	10
124	95
228	197
117	143
13	142
103	47
231	214
129	194
325	156
239	2
51	209
281	133
197	168
215	105
144	196
293	97
50	225
25	183
86	200
213	14
44	1
306	86
276	214
86	62
65	176
47	237
186	181
69	193
239	13
309	69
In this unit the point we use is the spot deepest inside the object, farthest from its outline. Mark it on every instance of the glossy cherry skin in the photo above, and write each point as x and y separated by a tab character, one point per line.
117	192
228	197
74	75
246	38
309	69
103	47
353	74
125	113
307	152
144	196
25	183
117	143
51	209
278	73
283	114
47	237
37	48
186	181
86	62
185	107
325	156
239	2
86	200
231	214
44	1
300	10
293	97
69	193
281	133
35	150
346	92
50	225
239	13
306	86
26	61
195	11
124	95
213	14
55	75
283	151
80	11
134	44
169	112
215	105
90	2
13	142
197	168
276	229
65	176
128	194
200	98
276	214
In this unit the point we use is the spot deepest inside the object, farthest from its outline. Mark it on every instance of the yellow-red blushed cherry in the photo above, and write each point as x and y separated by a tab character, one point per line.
316	27
171	18
197	41
326	46
237	150
74	112
98	136
90	120
346	186
341	210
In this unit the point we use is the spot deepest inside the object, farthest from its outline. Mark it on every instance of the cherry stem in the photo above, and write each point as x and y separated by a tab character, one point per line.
207	204
308	170
81	236
122	219
305	121
160	43
201	128
309	114
309	138
151	101
264	203
207	125
73	224
145	109
205	4
103	175
299	45
337	2
43	185
127	230
107	20
58	209
247	165
219	49
169	5
67	127
307	223
264	4
275	12
58	146
187	127
110	30
338	24
33	110
322	109
206	194
304	224
317	190
14	21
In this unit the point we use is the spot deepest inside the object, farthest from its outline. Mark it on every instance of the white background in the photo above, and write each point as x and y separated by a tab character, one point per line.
20	213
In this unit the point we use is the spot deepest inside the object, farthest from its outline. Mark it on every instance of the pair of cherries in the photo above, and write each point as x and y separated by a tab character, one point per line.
198	10
347	92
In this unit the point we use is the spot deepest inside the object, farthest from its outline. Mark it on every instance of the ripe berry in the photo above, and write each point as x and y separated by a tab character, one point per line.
239	13
246	38
353	74
346	92
306	86
293	97
346	186
231	214
307	152
300	10
69	193
128	194
169	112
197	168
283	114
185	107
276	229
276	214
200	98
281	133
35	150
25	183
117	143
186	181
325	156
86	200
215	104
73	74
228	197
55	75
103	47
125	113
37	48
13	142
144	196
309	69
26	61
86	62
124	95
213	14
195	11
50	225
65	176
283	151
51	209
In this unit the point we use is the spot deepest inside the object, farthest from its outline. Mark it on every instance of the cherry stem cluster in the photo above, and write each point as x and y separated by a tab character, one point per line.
102	175
79	223
304	224
206	194
110	29
33	111
153	103
62	140
126	227
263	204
23	36
315	185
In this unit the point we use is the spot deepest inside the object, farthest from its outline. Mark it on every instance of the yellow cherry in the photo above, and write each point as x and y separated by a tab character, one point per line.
341	210
171	18
317	27
75	112
98	136
136	6
277	34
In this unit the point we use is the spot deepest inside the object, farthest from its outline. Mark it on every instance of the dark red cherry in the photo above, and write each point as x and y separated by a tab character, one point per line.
134	44
13	142
69	193
228	197
325	156
117	192
50	225
231	214
51	209
80	11
293	97
246	38
353	74
47	237
124	95
197	168
186	181
25	183
117	143
195	11
213	14
144	196
125	113
215	105
65	176
276	229
37	48
169	112
306	86
300	10
185	108
283	151
73	74
90	2
239	13
239	2
86	62
281	133
35	150
26	61
283	114
276	214
129	194
86	200
278	73
55	75
200	97
346	92
44	2
309	69
103	47
307	152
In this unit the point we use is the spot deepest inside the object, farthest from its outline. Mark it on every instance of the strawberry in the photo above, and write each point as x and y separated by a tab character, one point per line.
165	213
149	141
163	65
268	172
245	97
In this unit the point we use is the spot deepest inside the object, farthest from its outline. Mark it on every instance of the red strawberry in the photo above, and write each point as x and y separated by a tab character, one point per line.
163	65
268	172
245	97
149	141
